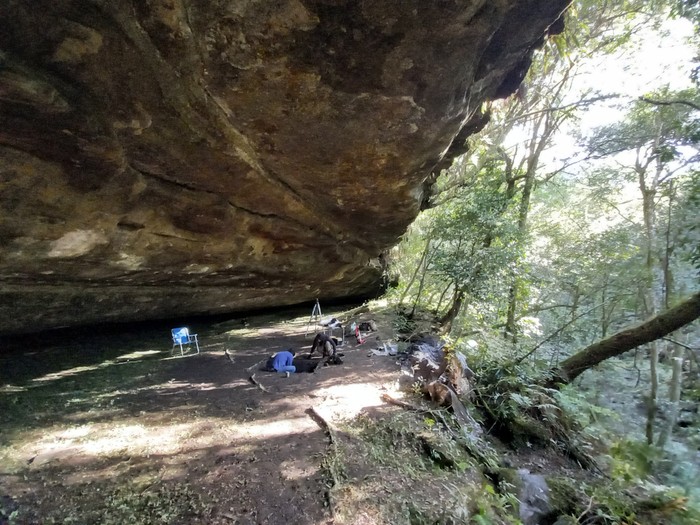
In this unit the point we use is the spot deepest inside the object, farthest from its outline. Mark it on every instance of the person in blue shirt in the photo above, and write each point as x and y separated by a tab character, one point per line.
282	362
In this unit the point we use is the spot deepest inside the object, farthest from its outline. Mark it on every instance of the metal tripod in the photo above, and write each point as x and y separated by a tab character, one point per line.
315	318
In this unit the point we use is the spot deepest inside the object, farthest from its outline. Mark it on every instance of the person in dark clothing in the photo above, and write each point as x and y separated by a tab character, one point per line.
324	343
282	362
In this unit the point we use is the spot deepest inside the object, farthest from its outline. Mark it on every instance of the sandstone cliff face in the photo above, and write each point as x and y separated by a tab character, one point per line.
167	158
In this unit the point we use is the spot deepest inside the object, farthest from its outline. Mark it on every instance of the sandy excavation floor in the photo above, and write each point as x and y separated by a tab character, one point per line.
109	428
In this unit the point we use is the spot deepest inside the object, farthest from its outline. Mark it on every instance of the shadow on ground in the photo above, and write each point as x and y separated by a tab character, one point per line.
112	428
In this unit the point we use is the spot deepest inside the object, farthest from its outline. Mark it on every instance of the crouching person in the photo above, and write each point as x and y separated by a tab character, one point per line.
324	343
282	362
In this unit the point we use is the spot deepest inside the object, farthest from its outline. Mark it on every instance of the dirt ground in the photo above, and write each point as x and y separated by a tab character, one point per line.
107	426
110	428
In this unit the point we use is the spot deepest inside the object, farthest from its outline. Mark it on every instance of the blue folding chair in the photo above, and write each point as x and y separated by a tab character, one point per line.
182	336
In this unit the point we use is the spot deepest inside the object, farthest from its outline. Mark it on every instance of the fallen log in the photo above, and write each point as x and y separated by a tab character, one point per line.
655	328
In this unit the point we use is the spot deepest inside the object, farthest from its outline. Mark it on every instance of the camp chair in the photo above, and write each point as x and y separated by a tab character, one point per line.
182	336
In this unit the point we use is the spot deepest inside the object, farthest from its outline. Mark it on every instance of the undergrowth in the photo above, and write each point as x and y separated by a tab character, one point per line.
419	474
164	504
631	487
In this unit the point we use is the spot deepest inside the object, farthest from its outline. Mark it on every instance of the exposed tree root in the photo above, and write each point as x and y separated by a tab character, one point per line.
468	438
331	457
321	422
435	414
251	374
469	426
255	382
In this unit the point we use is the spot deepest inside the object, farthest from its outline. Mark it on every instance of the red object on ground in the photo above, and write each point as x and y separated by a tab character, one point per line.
358	335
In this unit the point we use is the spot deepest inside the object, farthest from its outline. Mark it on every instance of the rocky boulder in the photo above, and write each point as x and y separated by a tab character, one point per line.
163	158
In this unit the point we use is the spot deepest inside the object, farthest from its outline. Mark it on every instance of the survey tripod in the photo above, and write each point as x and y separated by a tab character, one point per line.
315	318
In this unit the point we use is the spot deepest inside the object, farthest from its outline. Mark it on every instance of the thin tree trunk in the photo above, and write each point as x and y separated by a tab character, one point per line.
668	275
674	397
603	318
628	339
421	284
449	317
415	274
653	391
442	297
538	142
509	331
648	192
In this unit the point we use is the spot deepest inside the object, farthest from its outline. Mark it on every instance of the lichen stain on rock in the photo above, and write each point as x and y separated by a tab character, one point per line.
76	243
83	41
129	262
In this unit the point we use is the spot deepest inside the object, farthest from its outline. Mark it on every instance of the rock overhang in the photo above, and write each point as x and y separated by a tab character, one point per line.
173	157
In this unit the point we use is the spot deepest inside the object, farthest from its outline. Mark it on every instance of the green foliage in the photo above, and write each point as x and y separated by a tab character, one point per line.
632	460
658	122
437	482
576	405
518	405
470	244
402	323
688	228
473	240
581	269
426	443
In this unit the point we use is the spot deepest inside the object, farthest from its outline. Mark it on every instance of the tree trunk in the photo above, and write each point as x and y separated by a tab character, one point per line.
668	252
449	317
648	191
621	342
653	391
421	283
603	313
674	397
415	274
509	331
442	298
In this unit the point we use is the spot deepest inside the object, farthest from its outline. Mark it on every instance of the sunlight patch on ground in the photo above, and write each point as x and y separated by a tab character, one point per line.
138	354
53	376
188	353
9	389
153	440
171	388
275	428
296	469
121	360
91	440
75	432
107	440
348	400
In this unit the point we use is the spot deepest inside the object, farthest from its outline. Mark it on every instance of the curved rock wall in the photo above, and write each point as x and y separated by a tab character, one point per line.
165	158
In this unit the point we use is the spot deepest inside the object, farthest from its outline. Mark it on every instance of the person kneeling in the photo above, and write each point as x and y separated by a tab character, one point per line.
282	362
324	343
